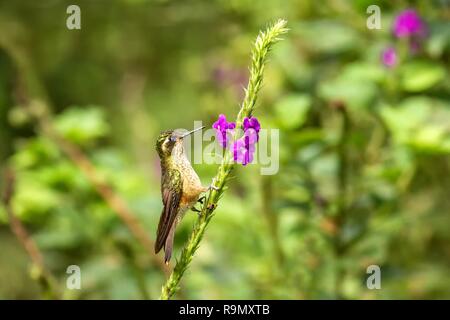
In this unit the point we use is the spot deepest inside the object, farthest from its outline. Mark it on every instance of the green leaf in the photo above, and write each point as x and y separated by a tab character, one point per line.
353	92
33	199
422	123
34	152
291	111
82	125
326	36
421	75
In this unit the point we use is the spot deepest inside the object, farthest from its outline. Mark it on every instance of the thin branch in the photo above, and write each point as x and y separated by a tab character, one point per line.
43	275
262	46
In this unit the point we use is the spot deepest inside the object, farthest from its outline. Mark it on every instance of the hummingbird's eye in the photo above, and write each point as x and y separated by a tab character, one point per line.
173	138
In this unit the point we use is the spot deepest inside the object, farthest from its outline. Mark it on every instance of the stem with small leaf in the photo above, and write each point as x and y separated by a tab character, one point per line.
264	42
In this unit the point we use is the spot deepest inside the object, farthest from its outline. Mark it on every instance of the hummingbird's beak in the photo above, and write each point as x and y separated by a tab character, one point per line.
192	131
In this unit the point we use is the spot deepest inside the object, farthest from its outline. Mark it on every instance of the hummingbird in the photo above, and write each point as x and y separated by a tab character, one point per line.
180	186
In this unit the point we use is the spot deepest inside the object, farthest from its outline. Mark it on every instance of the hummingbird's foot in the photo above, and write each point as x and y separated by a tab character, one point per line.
199	212
195	209
201	199
212	186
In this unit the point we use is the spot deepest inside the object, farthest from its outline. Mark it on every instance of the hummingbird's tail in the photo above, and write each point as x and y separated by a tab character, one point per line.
168	245
165	240
159	242
163	232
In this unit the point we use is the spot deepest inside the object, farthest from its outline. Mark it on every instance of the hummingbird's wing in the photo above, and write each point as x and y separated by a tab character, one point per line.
172	186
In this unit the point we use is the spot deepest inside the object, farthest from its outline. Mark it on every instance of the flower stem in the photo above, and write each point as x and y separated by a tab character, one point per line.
261	48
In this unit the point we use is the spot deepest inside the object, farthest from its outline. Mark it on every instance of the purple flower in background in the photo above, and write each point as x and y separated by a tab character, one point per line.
230	77
409	23
224	75
243	150
222	126
389	57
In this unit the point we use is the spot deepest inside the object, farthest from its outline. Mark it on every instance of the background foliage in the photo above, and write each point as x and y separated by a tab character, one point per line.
364	154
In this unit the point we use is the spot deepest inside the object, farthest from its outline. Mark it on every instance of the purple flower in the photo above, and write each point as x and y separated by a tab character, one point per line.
409	23
222	126
389	57
244	147
252	135
253	125
243	150
251	122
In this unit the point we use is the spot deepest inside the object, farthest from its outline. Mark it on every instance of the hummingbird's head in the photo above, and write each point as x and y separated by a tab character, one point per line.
171	139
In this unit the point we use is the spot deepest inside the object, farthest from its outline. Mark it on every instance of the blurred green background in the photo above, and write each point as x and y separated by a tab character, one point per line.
364	172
